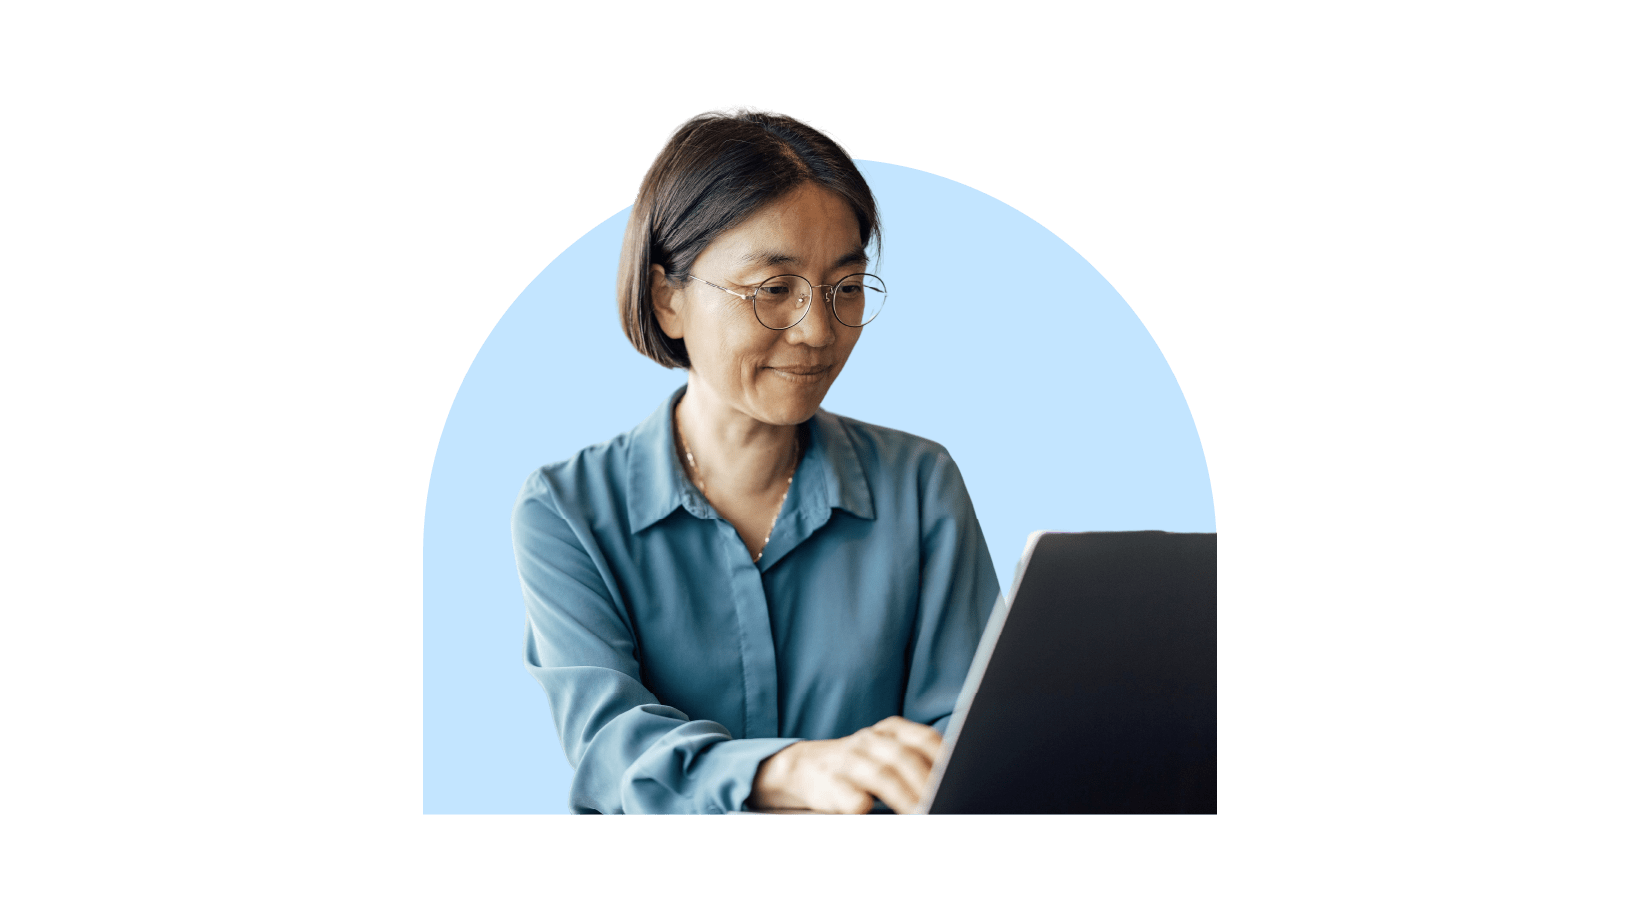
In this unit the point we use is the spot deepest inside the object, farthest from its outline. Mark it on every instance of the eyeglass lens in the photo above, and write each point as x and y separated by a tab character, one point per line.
782	301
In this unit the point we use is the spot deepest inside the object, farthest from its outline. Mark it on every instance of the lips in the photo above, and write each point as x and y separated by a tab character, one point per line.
801	371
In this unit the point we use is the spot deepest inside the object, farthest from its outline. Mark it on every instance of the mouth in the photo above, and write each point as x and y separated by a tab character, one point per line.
801	374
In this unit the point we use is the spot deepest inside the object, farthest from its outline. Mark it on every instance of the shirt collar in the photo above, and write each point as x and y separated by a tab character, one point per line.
830	474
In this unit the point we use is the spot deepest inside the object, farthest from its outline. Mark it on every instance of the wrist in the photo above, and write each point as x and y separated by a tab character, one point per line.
775	783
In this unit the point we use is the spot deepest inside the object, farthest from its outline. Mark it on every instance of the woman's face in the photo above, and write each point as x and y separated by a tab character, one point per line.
774	376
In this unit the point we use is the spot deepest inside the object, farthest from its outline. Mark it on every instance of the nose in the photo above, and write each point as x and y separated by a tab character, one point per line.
815	330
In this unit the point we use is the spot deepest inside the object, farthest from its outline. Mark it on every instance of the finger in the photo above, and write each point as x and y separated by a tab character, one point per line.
911	763
886	781
925	739
843	797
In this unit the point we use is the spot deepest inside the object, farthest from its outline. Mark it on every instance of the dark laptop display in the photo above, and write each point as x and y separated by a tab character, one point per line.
1095	688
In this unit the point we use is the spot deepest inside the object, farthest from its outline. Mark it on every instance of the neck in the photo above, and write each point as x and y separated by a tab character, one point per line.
734	452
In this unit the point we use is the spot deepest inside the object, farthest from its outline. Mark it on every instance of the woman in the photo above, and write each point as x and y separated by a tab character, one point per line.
746	601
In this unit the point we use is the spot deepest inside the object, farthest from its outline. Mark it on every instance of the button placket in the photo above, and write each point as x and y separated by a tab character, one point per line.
759	674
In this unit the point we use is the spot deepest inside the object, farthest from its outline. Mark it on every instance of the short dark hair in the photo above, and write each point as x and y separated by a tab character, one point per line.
717	169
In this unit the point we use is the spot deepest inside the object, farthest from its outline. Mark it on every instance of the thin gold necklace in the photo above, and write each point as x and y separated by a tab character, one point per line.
700	482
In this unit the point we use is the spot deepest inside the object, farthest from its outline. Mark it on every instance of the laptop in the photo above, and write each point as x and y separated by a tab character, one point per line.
1094	689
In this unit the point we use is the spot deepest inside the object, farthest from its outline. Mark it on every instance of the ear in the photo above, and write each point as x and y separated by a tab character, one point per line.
666	302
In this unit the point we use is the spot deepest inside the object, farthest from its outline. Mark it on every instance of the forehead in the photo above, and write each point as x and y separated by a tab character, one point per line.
810	226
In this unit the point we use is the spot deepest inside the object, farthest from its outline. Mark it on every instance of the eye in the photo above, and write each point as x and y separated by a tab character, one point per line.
773	290
849	289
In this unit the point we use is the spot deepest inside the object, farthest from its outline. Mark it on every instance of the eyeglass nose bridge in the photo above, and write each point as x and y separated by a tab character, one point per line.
802	300
813	289
831	297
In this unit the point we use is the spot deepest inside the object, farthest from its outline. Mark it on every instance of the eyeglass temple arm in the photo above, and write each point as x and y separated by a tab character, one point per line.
722	289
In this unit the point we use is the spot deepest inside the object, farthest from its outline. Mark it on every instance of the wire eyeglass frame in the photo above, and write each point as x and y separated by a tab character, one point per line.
831	296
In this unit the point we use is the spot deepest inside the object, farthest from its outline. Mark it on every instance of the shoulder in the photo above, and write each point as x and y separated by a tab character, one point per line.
589	485
900	467
888	451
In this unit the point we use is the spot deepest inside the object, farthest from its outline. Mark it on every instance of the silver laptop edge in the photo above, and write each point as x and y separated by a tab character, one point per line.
976	670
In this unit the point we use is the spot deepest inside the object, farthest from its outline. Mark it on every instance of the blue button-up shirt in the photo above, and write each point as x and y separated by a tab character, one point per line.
674	663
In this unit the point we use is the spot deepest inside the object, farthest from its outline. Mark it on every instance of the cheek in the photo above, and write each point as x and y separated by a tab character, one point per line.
707	336
739	346
846	342
727	352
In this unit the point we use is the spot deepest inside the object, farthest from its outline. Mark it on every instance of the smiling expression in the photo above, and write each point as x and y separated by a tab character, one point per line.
774	376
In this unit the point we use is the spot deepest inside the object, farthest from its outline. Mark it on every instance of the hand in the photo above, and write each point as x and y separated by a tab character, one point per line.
889	760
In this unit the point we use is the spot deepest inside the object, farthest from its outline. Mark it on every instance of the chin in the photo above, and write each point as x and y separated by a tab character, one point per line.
789	413
786	406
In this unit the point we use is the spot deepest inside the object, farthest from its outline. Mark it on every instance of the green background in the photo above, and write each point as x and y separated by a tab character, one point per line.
248	256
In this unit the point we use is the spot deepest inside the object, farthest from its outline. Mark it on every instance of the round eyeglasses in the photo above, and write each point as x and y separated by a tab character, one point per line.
782	302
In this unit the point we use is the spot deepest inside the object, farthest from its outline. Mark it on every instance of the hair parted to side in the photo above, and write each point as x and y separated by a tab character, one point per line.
716	170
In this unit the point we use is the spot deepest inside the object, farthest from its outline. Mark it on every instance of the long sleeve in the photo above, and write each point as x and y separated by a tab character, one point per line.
958	589
674	663
630	752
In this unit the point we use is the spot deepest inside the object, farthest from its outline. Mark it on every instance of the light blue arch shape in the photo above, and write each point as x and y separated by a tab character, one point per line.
999	341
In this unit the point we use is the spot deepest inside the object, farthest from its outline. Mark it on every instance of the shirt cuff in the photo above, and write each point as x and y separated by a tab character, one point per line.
727	769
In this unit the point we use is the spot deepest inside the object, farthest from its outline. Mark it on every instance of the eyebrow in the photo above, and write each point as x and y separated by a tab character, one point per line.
776	258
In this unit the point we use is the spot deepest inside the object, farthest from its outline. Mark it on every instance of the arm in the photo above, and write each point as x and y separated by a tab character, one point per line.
958	589
630	753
